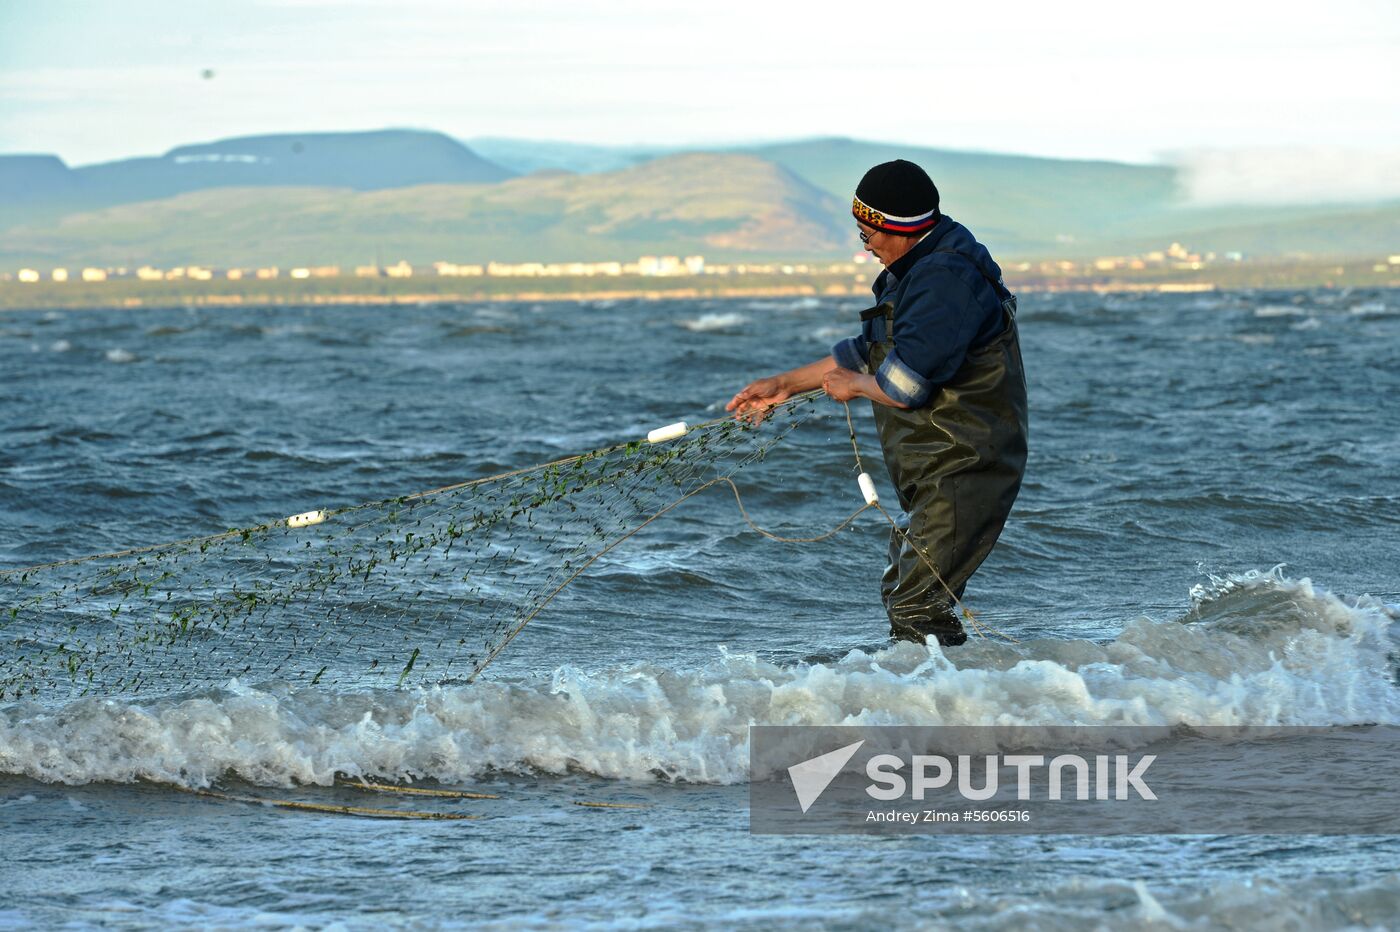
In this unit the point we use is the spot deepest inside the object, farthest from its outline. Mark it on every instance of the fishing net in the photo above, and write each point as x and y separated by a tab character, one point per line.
419	589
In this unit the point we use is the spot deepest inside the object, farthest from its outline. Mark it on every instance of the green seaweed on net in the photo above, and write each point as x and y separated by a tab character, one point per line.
410	590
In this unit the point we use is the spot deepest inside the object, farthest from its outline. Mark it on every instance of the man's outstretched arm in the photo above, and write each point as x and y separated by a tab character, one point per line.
761	394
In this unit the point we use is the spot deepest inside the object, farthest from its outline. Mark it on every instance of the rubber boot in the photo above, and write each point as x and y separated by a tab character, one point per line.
946	629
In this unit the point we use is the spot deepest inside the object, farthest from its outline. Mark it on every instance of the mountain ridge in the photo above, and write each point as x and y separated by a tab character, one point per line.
369	160
731	205
561	201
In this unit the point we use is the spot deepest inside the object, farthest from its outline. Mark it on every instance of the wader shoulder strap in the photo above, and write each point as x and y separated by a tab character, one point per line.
881	320
881	316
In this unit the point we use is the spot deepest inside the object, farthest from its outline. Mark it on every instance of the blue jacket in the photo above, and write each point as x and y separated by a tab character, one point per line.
947	295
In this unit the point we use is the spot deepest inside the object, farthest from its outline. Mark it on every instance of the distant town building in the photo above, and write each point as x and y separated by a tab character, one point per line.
60	275
670	265
523	269
29	275
453	270
315	271
94	275
400	269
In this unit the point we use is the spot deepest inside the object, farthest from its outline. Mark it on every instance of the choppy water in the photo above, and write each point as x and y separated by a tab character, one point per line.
1182	448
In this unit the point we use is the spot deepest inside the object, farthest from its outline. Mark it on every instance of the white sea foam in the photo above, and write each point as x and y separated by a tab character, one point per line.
287	330
770	306
1257	649
833	333
708	322
1371	309
120	355
1323	902
1278	310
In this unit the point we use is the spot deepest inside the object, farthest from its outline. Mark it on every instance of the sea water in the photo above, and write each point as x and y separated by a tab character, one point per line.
1209	533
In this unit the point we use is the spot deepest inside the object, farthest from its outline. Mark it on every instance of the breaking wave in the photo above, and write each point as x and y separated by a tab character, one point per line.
707	323
1256	649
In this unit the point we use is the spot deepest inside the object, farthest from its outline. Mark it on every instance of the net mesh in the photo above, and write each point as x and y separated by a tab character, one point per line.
420	589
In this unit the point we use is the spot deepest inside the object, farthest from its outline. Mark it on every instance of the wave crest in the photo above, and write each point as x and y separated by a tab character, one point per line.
1256	649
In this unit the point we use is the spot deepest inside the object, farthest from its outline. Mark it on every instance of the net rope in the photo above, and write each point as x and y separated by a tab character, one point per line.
420	589
417	589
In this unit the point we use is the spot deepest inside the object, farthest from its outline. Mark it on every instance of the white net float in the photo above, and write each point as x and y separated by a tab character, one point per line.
867	488
306	518
669	432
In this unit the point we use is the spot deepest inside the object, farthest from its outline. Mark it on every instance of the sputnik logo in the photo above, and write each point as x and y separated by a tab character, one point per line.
811	777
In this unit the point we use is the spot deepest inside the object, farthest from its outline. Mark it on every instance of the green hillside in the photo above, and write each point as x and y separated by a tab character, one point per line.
39	189
722	205
348	198
1032	207
1316	231
1016	204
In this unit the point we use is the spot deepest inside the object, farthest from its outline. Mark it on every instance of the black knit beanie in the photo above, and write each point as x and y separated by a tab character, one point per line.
897	197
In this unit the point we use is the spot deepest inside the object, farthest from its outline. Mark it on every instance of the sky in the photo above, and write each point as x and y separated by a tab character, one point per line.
1222	85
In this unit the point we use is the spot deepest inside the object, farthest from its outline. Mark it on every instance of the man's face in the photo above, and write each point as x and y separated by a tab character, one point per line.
887	247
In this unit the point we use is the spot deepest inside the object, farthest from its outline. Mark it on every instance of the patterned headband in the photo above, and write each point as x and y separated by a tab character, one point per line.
880	221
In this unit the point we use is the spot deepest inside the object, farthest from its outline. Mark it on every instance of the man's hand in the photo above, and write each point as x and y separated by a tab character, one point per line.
753	402
843	384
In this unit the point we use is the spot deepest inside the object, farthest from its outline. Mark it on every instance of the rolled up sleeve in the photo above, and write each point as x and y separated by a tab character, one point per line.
902	383
853	354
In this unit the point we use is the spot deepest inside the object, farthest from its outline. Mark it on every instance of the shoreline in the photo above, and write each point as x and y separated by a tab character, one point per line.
134	295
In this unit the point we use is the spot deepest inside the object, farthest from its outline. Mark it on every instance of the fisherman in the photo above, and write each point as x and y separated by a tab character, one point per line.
939	358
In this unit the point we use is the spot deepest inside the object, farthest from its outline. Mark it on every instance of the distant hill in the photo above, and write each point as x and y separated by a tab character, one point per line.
368	161
524	156
1016	204
734	206
27	180
1328	230
345	197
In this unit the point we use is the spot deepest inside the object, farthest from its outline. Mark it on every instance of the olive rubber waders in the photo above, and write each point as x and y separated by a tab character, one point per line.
956	465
